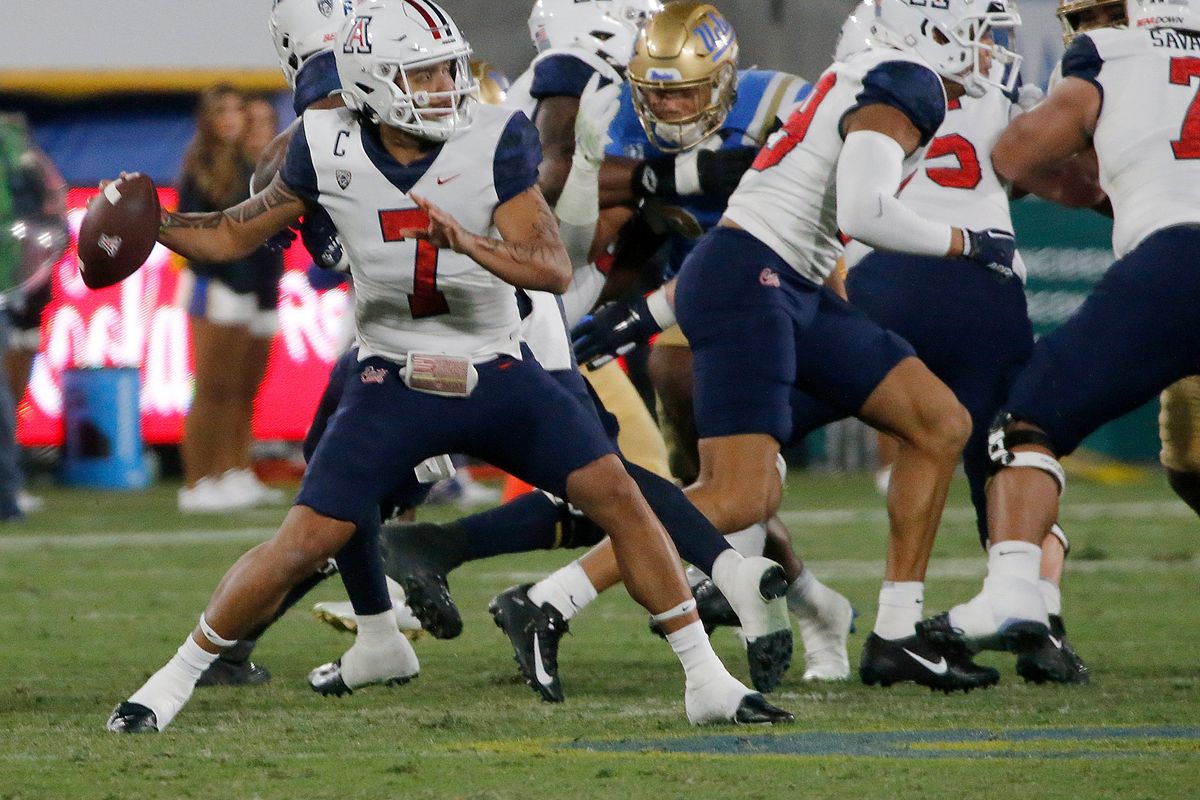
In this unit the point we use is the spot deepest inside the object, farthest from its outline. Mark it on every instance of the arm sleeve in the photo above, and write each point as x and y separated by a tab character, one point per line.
560	76
913	89
518	154
868	177
298	171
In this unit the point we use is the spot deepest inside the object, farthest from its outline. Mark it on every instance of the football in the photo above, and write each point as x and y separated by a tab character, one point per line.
119	230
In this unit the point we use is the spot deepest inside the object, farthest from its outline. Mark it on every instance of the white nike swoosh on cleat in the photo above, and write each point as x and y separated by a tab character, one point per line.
939	667
1057	644
539	670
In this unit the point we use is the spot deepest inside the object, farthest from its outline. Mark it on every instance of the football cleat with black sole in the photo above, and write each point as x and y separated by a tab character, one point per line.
1055	661
327	680
132	718
715	611
755	710
428	597
534	634
914	658
1021	636
234	673
768	652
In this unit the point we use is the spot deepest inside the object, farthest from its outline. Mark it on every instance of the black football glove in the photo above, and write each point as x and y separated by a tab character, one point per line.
716	172
612	330
320	237
993	248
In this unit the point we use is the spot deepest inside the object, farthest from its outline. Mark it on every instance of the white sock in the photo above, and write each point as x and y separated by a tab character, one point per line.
749	541
1051	596
695	653
724	570
376	629
567	589
167	690
801	593
1010	591
901	605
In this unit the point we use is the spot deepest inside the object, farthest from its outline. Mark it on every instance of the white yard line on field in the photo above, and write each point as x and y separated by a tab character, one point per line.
800	519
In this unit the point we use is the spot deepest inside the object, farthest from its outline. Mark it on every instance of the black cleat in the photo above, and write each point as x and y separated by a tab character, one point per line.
132	718
428	597
234	673
534	633
755	710
1055	661
418	556
1022	636
327	680
714	609
946	668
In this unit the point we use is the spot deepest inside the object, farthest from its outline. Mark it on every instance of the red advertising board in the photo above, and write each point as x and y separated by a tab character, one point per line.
143	322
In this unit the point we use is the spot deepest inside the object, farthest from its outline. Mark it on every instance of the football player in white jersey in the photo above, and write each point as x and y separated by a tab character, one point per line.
980	334
1179	415
837	164
1130	93
442	366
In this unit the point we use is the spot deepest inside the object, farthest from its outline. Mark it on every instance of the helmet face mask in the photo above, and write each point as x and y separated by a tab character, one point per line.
301	29
957	40
393	57
688	46
604	27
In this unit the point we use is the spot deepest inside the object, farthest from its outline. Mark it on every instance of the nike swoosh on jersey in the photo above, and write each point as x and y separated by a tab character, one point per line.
539	670
440	181
939	667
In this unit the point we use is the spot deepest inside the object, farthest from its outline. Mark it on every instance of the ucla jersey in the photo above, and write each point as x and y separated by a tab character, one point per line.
956	182
409	295
788	198
764	100
1147	138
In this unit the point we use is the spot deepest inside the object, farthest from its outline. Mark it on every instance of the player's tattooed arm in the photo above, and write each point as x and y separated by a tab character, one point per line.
530	256
235	232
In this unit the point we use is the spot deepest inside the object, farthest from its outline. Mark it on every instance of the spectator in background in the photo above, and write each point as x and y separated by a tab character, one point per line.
230	330
33	237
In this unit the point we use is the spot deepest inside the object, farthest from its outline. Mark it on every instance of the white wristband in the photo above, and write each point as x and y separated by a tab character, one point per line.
660	308
687	173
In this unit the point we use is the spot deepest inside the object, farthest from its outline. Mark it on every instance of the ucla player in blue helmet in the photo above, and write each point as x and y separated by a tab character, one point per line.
753	287
693	123
1134	335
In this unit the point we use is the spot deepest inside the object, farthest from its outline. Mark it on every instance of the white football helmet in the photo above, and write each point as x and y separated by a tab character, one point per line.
300	29
607	28
381	42
953	37
1182	14
855	35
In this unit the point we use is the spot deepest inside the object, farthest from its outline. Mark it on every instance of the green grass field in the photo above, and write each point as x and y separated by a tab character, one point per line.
97	591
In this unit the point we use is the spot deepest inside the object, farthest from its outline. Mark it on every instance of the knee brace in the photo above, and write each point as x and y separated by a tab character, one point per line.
1001	440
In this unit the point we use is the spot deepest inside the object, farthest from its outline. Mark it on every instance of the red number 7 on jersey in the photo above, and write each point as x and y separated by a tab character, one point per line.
1187	146
426	300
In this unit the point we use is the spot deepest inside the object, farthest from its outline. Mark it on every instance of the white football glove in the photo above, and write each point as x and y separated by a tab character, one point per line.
1029	95
597	107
